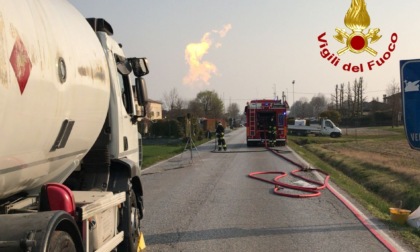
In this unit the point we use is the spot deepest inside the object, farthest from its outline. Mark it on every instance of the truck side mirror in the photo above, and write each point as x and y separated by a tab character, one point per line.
141	90
124	67
142	98
140	66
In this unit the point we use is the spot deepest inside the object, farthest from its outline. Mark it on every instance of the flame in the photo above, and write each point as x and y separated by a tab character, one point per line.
357	18
222	33
201	71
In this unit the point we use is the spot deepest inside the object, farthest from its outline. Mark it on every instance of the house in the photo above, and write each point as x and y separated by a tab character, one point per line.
210	124
389	111
154	110
393	100
153	114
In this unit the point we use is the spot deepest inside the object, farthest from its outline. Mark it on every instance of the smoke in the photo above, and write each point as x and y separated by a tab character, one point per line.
201	71
222	33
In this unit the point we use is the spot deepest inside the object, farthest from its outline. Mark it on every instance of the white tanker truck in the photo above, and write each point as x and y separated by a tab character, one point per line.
70	155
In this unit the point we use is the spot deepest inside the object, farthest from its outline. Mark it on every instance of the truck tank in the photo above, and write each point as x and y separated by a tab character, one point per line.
54	92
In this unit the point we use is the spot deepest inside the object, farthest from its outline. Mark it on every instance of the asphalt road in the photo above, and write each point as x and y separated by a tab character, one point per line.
204	201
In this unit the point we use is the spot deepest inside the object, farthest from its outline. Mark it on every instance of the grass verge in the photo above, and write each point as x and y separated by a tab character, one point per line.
154	153
365	178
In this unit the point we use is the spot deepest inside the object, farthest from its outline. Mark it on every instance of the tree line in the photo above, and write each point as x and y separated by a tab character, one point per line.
348	105
206	104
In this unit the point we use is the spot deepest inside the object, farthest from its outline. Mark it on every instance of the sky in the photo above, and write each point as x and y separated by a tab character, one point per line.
248	49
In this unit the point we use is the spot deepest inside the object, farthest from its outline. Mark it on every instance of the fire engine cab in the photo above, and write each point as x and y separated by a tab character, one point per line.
258	118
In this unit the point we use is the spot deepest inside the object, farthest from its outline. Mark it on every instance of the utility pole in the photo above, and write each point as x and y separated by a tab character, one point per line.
275	91
293	83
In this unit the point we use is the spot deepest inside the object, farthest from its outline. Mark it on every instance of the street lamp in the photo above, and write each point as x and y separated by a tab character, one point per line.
293	83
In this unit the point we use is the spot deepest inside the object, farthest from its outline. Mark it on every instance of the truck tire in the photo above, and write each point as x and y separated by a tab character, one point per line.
281	143
334	135
130	223
248	144
251	143
61	241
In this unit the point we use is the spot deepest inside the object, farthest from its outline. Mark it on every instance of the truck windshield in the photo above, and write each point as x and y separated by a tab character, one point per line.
329	124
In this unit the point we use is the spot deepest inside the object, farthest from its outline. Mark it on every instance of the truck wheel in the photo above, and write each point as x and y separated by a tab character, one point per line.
130	223
281	143
248	144
61	241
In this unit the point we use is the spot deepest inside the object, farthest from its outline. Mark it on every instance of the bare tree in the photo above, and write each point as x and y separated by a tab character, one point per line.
319	104
233	110
341	96
355	107
301	108
336	97
172	100
361	90
180	104
394	101
349	100
359	99
173	103
233	113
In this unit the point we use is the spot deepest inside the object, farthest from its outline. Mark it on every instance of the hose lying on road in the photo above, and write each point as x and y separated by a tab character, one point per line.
309	191
238	151
315	191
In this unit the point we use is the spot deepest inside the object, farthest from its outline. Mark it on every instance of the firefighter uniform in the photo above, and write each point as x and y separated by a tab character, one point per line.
220	134
272	132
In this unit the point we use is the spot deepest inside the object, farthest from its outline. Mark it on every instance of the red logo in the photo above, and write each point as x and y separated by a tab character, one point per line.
357	19
21	64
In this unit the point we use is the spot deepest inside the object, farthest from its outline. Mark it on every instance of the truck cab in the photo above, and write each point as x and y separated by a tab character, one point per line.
328	128
114	162
321	127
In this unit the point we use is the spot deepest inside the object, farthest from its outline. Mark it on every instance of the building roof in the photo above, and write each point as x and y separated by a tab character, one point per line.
153	101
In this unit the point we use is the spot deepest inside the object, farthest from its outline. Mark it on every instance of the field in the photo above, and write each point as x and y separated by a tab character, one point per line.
375	165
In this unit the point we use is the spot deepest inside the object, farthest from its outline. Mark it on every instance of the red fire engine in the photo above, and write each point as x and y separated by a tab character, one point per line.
258	115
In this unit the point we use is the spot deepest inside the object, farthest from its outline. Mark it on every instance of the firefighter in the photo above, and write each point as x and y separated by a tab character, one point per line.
272	132
220	134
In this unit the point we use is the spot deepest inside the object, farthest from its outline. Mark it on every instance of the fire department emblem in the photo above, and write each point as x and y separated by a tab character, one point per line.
357	19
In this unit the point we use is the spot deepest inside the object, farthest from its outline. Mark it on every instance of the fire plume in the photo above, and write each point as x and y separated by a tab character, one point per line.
201	71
